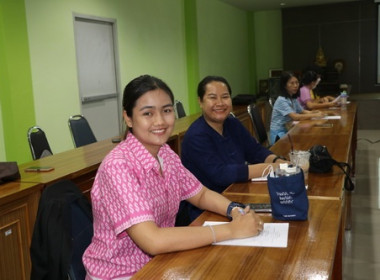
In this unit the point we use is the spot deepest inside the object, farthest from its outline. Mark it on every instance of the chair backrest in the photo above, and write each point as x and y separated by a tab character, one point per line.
271	101
81	131
38	143
179	110
268	109
62	232
81	235
258	124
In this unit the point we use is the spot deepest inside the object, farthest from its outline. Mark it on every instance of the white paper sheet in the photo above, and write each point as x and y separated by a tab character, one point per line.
332	117
273	235
328	118
260	179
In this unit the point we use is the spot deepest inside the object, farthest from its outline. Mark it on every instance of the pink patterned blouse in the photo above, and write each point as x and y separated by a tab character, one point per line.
128	190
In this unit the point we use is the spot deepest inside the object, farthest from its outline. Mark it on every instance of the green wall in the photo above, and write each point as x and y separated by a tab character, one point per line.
179	41
16	98
224	44
192	54
268	42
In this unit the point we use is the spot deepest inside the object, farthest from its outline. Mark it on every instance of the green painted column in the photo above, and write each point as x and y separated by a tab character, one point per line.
252	53
16	91
192	57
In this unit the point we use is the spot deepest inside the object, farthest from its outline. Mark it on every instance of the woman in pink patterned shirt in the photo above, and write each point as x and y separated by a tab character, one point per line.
138	188
308	99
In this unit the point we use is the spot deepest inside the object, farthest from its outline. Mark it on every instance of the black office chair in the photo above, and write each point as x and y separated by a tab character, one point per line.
179	110
268	109
271	101
38	143
258	124
62	232
81	131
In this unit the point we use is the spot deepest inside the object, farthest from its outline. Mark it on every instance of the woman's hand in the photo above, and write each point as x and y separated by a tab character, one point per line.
245	223
318	114
326	99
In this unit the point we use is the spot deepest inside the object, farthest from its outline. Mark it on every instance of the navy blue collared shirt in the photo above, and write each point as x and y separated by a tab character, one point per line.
220	160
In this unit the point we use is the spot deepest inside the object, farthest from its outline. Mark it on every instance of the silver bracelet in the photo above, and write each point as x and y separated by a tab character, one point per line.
213	234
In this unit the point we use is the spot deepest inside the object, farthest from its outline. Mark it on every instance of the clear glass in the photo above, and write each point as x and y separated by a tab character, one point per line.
301	159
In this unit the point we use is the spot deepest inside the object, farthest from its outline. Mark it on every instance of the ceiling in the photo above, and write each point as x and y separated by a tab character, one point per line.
260	5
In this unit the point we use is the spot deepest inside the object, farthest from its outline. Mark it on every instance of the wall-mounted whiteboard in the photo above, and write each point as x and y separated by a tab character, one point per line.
95	59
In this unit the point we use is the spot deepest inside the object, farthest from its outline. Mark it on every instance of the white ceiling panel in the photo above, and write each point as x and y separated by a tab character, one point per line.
260	5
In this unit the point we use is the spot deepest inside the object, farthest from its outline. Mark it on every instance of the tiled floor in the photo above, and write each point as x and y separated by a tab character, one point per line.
361	252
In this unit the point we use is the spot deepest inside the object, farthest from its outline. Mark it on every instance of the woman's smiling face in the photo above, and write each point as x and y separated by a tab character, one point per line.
152	119
216	103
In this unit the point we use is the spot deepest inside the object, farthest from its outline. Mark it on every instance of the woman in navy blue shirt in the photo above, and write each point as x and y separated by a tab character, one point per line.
217	148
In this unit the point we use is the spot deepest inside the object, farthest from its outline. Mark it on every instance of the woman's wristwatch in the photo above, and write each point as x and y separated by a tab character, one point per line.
231	206
278	157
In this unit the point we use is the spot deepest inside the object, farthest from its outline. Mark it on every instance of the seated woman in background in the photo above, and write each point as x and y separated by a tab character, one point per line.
287	108
138	189
308	99
217	148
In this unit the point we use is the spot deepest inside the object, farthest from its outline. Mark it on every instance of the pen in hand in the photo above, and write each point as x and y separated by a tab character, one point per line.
241	211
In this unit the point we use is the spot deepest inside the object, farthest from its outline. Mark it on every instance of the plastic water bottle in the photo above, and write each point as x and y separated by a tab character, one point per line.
287	169
343	98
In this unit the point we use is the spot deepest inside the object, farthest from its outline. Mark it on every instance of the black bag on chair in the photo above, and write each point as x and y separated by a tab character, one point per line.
9	172
322	162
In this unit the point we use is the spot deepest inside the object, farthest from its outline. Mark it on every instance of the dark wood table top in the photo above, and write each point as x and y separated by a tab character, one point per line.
338	140
12	191
69	164
342	126
310	252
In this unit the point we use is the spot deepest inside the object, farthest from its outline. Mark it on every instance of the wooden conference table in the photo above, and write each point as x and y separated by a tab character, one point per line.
309	255
340	140
314	248
79	165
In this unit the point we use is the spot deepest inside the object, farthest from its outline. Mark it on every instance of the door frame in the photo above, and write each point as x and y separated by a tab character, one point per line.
113	22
